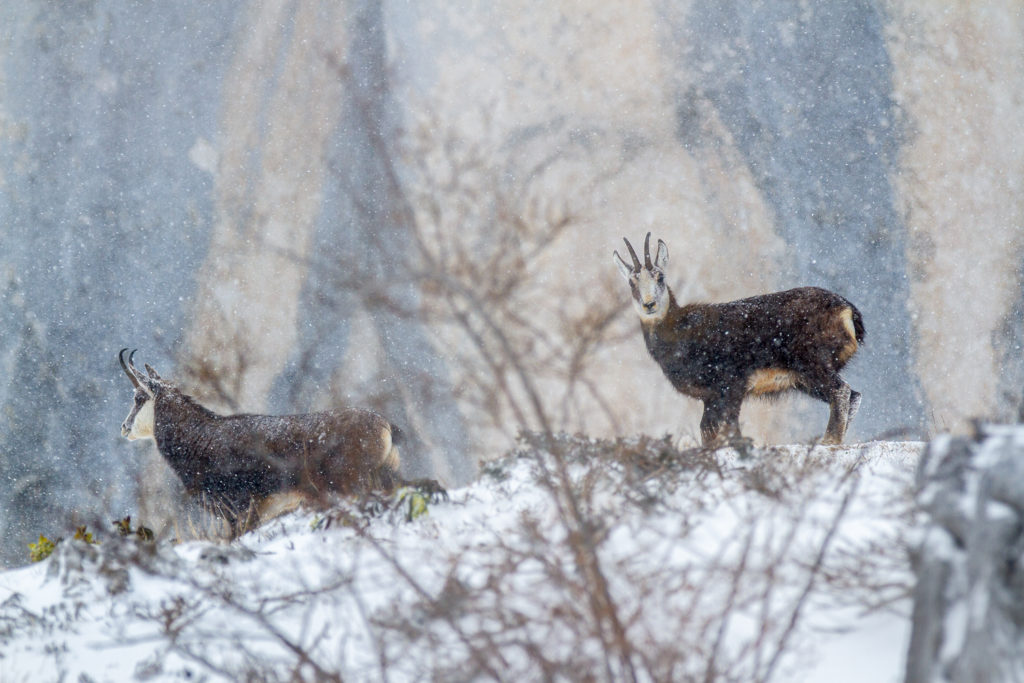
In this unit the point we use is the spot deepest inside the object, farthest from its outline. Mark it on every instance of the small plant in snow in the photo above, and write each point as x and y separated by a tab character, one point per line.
42	549
84	535
124	528
414	502
411	502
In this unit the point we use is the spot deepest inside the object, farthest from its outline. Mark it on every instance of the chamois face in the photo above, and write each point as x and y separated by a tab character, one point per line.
140	421
647	281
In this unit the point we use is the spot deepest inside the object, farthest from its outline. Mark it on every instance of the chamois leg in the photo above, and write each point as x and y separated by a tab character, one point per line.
854	405
386	478
841	404
720	424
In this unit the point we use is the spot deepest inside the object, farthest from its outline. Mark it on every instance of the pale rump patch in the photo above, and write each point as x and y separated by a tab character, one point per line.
850	348
390	458
771	381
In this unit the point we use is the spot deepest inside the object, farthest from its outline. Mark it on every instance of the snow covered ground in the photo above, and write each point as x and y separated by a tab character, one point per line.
788	563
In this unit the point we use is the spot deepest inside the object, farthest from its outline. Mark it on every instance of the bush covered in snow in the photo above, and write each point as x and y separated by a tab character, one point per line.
569	558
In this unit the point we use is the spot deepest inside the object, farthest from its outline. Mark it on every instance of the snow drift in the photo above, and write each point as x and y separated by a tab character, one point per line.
568	557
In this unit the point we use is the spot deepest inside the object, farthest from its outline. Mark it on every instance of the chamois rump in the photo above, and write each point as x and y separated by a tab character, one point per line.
249	467
761	346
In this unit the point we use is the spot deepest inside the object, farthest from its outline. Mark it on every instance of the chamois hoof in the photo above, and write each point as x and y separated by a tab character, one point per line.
434	492
714	445
742	444
373	504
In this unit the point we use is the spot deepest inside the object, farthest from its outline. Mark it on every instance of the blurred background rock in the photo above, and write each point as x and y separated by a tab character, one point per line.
288	206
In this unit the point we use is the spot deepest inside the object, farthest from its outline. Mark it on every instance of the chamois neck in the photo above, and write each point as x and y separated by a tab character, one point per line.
185	436
178	417
182	404
672	303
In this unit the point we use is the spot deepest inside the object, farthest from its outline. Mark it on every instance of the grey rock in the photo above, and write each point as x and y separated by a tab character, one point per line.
968	616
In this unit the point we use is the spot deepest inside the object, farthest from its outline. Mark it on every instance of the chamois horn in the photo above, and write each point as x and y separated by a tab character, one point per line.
129	369
636	261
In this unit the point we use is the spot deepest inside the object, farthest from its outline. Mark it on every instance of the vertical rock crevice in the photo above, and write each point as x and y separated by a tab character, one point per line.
103	218
806	98
364	254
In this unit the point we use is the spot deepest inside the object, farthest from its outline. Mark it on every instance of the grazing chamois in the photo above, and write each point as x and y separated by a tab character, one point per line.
761	346
242	467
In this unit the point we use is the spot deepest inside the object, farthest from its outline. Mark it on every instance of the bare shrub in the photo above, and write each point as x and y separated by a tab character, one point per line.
491	244
627	559
730	610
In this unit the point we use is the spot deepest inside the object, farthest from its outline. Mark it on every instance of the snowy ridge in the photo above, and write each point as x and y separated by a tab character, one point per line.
786	564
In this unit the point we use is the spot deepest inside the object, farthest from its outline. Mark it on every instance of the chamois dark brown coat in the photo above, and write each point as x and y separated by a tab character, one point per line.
761	346
238	464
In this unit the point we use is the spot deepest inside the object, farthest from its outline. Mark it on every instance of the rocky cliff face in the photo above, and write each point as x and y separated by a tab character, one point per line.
247	192
806	98
104	221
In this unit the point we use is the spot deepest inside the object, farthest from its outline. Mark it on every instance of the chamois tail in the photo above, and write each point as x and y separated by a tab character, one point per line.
392	438
858	325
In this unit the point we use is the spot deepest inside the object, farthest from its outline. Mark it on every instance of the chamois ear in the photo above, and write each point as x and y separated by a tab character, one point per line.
661	258
152	372
624	268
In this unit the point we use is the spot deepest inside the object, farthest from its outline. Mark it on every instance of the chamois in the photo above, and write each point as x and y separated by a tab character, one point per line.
244	466
760	346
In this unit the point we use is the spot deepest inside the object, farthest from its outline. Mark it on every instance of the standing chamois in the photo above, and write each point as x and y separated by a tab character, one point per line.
762	346
244	466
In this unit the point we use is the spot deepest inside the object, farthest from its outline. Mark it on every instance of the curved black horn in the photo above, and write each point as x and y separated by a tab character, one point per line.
127	369
636	261
647	252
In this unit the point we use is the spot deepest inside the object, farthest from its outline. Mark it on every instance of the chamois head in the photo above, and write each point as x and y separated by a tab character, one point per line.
647	282
140	421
